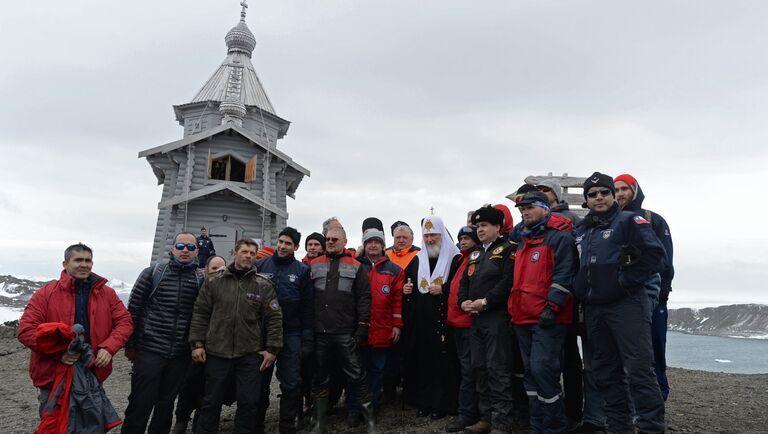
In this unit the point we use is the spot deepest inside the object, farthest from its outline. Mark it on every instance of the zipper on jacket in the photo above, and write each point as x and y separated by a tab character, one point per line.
172	342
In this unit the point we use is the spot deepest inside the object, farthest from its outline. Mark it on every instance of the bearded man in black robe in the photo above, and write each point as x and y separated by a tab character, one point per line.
431	375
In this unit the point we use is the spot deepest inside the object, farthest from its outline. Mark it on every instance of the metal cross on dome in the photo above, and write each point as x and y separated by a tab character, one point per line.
244	4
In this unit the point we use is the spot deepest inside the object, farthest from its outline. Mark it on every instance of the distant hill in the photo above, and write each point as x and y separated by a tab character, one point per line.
738	320
16	291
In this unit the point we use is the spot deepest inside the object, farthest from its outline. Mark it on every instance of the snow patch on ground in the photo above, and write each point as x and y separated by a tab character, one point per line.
9	313
723	361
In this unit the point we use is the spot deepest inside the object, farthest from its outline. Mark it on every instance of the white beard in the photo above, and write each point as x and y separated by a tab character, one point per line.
433	251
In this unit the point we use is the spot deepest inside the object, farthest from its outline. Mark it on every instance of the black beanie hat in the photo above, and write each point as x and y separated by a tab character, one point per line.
469	231
396	225
317	237
372	222
488	214
291	233
598	179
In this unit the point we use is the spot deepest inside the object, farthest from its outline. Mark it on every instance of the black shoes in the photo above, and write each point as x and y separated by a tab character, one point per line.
457	424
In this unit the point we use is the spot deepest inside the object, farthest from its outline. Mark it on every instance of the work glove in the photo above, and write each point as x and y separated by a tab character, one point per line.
307	347
630	255
361	334
547	318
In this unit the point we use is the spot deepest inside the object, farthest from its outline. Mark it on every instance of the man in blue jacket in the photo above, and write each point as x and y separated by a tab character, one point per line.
296	296
618	253
630	197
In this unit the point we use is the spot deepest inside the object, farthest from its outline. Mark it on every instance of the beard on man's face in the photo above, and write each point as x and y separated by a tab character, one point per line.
433	250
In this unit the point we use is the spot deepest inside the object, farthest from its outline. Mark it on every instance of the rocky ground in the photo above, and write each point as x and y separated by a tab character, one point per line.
700	402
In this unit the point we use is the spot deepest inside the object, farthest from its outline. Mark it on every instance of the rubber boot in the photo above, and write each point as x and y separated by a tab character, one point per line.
370	417
321	412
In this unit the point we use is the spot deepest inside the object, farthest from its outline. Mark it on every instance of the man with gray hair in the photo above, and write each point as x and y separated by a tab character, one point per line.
431	369
403	250
342	318
161	305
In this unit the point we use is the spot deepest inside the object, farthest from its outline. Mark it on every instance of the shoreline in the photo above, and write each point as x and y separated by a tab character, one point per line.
700	401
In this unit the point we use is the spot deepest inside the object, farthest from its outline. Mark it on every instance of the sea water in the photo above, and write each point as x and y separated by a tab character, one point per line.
716	354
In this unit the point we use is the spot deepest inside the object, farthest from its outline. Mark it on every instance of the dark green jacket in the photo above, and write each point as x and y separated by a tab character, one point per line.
232	316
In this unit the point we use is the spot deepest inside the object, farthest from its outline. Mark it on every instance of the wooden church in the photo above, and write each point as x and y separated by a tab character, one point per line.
226	173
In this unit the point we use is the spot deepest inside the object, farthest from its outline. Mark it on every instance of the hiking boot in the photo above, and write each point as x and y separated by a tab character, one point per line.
457	424
479	427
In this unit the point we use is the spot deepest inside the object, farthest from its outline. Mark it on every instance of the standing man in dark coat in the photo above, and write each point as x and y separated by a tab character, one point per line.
630	197
161	305
296	296
618	253
484	292
237	331
205	248
342	318
431	375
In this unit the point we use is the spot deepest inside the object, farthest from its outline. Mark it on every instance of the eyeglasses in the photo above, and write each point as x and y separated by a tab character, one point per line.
181	246
604	193
544	189
332	240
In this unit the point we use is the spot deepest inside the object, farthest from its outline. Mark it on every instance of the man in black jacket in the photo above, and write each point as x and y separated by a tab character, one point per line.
618	253
342	317
483	292
161	305
205	247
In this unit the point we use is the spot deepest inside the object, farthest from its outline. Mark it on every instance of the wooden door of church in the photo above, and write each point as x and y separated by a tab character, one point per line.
224	237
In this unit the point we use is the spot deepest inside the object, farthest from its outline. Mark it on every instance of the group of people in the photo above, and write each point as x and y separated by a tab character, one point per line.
483	326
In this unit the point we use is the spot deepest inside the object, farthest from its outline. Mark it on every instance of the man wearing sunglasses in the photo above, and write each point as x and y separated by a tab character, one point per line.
618	252
161	306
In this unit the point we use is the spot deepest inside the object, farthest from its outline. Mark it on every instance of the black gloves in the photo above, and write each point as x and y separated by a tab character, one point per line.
547	318
361	333
307	347
630	255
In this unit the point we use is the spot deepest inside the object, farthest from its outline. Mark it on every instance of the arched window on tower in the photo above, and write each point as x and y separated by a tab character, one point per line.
229	167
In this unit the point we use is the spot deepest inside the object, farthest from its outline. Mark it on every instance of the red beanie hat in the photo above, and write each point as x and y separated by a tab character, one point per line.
508	224
629	180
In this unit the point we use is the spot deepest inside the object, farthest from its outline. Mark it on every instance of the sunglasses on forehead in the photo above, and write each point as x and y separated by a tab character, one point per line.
604	193
182	246
544	189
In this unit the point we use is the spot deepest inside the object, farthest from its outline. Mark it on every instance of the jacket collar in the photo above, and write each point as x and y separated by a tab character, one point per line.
67	282
596	219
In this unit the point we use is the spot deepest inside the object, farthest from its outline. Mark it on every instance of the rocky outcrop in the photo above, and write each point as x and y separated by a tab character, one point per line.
744	320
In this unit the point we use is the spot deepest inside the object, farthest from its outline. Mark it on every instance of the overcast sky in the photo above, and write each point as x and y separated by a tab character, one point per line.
396	107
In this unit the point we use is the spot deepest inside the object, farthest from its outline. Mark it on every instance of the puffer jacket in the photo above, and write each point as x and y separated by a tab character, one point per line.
234	317
661	229
110	323
386	280
294	291
600	239
544	270
162	318
342	294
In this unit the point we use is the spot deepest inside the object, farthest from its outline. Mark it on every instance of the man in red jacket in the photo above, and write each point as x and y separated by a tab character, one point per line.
386	279
541	306
78	297
460	323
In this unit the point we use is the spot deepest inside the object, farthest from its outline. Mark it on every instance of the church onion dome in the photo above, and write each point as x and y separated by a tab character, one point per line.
240	39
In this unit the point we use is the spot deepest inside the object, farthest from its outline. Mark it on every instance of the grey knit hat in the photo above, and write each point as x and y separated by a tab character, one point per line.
554	185
373	234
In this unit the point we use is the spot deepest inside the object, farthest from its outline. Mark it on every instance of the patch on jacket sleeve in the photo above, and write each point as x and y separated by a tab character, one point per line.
639	219
274	305
497	250
474	255
385	289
